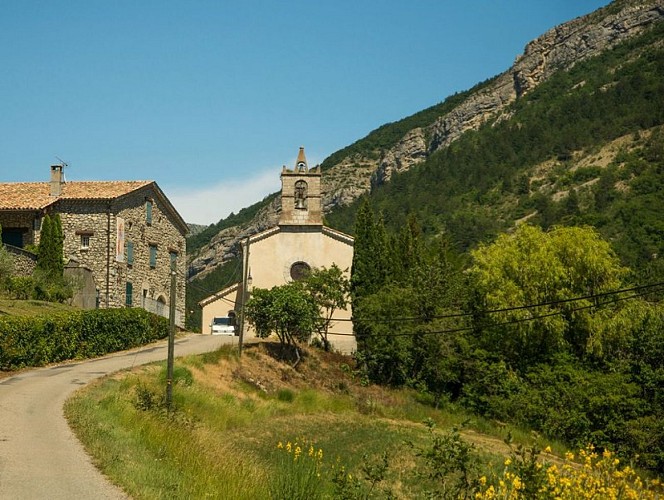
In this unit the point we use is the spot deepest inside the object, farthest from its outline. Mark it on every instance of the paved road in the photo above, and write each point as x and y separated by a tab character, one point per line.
39	455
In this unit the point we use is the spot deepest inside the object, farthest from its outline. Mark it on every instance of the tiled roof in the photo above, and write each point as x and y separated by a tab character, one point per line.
35	195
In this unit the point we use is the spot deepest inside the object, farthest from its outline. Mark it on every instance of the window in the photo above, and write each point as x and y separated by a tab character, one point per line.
85	241
153	255
130	253
129	292
301	195
174	260
299	271
148	212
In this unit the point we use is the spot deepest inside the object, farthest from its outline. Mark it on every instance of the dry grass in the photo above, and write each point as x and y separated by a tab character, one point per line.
232	413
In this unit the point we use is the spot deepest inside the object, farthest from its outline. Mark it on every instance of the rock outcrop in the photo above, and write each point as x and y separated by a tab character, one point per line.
557	49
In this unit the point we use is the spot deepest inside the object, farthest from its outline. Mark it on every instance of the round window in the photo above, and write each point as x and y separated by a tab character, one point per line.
299	271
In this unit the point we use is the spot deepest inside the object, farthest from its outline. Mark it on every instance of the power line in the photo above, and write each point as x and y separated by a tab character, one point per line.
505	309
645	289
505	323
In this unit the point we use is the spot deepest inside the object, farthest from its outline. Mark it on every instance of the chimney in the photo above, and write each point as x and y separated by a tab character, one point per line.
57	179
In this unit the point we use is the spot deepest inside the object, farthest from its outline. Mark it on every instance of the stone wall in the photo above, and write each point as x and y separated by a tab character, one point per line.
21	219
24	262
97	221
311	214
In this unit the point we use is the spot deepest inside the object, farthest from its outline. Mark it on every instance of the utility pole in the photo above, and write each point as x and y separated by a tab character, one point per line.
171	340
245	273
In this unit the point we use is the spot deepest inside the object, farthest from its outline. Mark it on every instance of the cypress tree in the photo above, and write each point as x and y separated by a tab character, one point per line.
58	246
45	248
370	253
50	249
360	269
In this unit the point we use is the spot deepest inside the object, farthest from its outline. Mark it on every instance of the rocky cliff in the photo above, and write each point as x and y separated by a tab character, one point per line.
558	49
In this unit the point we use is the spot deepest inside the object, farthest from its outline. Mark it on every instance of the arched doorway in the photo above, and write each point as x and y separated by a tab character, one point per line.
161	308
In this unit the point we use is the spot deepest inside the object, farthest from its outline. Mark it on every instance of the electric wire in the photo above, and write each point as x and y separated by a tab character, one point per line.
504	309
646	289
504	323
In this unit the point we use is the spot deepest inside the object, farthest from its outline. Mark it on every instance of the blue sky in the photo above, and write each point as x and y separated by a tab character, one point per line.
210	98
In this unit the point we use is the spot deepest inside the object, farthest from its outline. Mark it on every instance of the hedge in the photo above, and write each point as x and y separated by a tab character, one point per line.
36	341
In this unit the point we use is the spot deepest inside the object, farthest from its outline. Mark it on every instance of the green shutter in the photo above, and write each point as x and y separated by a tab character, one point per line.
153	256
130	253
148	212
129	291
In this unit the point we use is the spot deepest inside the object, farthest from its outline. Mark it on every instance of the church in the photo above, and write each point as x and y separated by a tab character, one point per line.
286	252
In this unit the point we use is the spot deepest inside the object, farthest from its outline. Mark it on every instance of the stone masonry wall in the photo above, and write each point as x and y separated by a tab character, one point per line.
295	216
98	221
24	262
10	219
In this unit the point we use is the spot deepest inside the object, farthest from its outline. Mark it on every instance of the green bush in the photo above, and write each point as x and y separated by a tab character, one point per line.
40	286
36	341
20	287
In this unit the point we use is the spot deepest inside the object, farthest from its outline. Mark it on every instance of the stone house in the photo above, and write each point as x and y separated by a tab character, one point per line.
282	253
120	237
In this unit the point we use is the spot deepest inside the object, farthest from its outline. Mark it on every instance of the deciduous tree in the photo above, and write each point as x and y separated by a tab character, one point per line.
288	311
531	266
330	289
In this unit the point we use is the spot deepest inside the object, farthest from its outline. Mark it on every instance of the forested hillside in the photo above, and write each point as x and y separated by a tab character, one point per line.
585	147
517	271
581	148
406	144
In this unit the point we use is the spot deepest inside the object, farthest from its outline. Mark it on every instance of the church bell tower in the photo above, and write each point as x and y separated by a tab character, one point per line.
300	194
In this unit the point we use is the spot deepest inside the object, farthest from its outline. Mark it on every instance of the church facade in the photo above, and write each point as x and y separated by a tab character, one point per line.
283	253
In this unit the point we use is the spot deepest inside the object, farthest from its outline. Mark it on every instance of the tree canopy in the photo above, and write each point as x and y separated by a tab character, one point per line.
330	289
288	311
544	270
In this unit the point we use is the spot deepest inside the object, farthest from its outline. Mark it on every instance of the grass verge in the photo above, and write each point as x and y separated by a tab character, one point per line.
222	439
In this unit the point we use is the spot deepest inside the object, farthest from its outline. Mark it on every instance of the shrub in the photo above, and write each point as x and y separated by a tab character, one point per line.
36	341
598	476
20	287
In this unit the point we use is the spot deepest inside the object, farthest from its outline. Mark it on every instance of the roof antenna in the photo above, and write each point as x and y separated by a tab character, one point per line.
63	164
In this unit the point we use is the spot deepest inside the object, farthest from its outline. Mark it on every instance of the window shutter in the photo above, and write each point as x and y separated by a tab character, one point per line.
130	253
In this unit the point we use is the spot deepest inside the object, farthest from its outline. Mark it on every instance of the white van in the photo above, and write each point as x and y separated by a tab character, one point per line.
223	325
